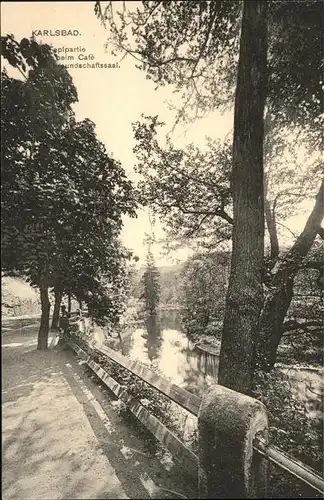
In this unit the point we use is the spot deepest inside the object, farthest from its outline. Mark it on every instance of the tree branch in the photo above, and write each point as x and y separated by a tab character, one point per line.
197	227
294	257
142	23
310	389
272	230
217	212
289	326
210	26
170	61
313	264
283	225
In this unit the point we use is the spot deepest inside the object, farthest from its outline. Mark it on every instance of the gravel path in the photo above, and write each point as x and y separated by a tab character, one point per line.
63	438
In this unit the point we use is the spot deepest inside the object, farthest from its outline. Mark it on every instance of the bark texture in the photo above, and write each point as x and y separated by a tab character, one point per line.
280	291
244	295
56	311
42	342
272	230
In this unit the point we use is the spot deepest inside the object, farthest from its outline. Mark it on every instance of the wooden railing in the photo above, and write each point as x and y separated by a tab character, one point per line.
192	404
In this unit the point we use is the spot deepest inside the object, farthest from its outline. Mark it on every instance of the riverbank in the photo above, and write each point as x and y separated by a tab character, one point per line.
206	343
308	360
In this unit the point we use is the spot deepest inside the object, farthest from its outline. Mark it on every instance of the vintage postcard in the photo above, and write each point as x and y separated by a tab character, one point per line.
162	249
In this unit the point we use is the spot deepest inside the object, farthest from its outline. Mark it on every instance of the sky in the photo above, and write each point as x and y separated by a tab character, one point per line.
112	98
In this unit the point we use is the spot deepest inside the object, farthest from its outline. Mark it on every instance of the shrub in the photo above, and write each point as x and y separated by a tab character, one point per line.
291	430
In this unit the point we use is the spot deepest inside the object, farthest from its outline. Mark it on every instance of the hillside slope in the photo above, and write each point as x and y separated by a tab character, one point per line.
18	297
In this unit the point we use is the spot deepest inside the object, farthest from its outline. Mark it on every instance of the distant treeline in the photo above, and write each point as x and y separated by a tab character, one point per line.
199	285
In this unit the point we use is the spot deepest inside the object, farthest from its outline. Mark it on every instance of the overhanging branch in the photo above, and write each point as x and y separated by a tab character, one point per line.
216	212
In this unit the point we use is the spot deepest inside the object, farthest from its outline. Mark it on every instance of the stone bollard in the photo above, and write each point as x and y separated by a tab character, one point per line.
228	422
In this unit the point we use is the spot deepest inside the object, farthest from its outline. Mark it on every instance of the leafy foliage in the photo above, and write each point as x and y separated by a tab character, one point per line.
292	429
63	197
169	279
295	64
296	432
302	330
188	189
194	47
204	284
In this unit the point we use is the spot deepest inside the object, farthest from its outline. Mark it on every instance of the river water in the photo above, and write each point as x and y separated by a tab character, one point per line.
164	347
174	356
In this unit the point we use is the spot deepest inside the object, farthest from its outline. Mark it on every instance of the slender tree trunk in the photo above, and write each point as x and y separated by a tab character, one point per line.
56	311
268	147
272	230
279	295
44	323
244	295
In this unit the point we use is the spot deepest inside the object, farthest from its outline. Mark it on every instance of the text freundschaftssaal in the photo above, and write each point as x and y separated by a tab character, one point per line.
56	33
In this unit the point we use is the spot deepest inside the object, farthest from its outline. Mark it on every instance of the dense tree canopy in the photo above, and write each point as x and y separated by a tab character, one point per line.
63	197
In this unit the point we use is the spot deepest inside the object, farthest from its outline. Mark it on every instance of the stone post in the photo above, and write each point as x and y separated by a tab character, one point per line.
228	423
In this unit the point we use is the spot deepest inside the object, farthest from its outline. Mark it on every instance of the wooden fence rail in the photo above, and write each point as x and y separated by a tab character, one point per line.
192	404
159	430
184	398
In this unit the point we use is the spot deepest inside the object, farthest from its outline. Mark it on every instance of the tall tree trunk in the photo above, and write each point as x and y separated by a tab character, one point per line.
244	295
279	295
42	342
56	311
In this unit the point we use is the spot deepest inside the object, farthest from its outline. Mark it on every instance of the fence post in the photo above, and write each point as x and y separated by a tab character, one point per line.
228	422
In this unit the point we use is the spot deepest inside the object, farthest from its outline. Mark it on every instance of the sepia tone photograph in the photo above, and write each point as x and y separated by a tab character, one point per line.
162	258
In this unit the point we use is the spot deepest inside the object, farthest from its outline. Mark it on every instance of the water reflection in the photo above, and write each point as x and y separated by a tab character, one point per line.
164	347
153	338
170	320
167	349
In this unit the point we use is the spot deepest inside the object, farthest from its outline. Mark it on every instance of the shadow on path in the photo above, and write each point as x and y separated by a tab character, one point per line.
63	438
